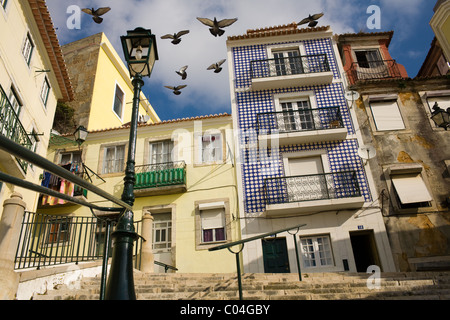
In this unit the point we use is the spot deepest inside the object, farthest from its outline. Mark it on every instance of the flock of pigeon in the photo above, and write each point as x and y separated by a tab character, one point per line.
215	28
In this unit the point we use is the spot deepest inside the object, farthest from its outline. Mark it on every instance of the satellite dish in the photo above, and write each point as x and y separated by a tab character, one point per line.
366	153
146	118
352	95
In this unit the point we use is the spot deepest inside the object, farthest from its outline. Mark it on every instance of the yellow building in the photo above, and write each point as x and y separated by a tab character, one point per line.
33	77
185	180
102	84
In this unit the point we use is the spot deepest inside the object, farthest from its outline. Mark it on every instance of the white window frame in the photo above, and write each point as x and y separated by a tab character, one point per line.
204	148
28	48
122	108
105	150
167	147
159	244
314	256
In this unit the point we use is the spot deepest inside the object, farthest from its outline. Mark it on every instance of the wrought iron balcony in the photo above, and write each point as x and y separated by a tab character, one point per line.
372	70
338	190
12	128
290	71
171	176
303	126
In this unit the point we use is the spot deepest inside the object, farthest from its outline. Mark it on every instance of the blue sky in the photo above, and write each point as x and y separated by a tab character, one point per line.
209	93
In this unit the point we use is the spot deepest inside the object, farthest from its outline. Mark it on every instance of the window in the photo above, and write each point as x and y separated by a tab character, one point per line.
316	251
162	231
118	102
59	230
411	190
287	62
45	90
161	152
297	116
386	115
15	102
213	225
368	58
442	101
211	148
27	49
70	157
113	160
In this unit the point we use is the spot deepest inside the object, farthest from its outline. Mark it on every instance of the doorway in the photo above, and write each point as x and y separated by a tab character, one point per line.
275	255
364	249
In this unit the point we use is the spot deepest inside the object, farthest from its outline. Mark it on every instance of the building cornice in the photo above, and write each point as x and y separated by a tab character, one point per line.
48	34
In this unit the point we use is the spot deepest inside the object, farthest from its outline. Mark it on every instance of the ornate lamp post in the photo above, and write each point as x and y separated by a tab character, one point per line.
441	117
139	46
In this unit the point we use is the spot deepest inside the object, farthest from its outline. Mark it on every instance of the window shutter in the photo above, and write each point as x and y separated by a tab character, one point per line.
387	115
411	188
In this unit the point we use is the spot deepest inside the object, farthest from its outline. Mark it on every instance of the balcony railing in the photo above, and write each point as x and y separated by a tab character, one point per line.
12	128
289	66
372	70
299	120
160	175
324	186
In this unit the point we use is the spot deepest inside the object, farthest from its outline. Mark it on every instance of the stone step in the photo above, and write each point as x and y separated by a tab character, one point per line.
334	286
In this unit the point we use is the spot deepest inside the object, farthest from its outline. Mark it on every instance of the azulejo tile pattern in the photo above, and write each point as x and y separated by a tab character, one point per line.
259	164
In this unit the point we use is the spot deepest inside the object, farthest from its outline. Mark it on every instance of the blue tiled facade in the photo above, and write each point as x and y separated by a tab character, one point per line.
258	165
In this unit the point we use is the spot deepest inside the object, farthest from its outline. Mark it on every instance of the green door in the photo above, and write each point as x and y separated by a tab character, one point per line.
275	255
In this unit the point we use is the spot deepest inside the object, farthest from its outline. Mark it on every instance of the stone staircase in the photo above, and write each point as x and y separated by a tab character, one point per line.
314	286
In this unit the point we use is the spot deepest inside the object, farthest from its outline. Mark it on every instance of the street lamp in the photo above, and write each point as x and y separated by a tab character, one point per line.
80	135
139	46
441	117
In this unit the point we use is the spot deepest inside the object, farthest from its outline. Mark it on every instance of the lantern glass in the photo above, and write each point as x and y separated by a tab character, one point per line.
139	46
80	134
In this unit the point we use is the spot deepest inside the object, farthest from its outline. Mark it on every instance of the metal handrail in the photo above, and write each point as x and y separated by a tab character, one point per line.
289	66
262	236
166	266
299	120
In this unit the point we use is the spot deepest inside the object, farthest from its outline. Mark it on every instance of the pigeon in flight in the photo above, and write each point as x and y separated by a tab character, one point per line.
176	36
182	72
217	25
216	66
176	90
312	19
96	13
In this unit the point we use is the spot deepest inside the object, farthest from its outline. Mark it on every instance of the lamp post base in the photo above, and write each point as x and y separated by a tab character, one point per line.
121	282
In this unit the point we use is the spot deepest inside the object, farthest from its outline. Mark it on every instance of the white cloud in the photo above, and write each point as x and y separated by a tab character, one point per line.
207	92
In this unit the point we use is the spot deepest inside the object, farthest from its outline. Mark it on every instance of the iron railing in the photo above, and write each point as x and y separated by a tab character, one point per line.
372	70
47	240
299	120
12	128
160	175
289	66
311	187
